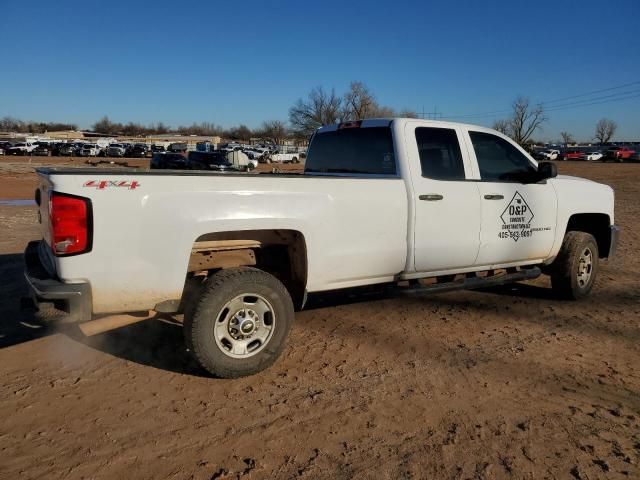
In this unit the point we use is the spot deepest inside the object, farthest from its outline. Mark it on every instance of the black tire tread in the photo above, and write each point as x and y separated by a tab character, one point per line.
211	289
562	269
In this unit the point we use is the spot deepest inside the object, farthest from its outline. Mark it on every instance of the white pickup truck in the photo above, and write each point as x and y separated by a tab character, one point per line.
423	205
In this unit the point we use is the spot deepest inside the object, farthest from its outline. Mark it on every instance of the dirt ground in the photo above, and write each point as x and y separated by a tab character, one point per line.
506	383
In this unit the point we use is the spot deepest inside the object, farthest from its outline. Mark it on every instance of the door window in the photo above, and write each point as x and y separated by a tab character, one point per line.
499	160
440	156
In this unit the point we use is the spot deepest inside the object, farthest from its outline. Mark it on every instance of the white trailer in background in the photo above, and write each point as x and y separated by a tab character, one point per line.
283	158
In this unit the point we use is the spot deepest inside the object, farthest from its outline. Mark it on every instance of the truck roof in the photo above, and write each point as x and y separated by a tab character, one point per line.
385	122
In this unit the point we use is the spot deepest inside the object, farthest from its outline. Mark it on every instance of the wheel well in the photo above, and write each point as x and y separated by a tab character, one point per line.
597	224
283	253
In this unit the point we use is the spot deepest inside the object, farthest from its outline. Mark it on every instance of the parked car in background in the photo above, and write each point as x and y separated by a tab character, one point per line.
158	148
116	150
89	150
594	156
618	154
140	150
4	146
43	149
635	157
68	150
548	155
21	148
178	147
168	161
284	157
255	153
215	160
572	155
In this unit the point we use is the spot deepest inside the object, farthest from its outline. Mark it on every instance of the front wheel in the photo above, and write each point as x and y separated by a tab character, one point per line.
240	322
574	270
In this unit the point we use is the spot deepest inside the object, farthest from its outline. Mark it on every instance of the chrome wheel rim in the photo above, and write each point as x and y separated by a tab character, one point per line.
585	268
244	325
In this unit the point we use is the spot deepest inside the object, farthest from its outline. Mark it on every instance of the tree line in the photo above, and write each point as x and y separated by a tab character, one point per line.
526	119
10	124
320	107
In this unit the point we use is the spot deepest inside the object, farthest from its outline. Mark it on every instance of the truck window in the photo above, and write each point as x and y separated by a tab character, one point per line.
498	159
365	151
440	156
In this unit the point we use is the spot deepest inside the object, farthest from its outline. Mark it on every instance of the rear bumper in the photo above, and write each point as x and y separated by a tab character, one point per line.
613	242
54	300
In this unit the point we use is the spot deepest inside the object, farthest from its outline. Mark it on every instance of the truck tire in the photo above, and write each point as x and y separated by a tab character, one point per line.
574	270
240	322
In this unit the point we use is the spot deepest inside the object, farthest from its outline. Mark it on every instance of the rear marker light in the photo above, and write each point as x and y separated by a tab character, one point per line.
70	222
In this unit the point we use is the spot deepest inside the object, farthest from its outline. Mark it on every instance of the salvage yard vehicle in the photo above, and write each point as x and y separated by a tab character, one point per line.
89	150
594	156
43	149
573	155
168	161
618	154
283	158
548	154
140	150
116	150
69	150
22	148
413	206
215	160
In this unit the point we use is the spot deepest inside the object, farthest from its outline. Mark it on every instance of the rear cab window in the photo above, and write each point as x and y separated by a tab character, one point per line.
357	150
440	155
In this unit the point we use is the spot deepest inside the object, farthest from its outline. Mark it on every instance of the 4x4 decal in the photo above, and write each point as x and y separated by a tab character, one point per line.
102	184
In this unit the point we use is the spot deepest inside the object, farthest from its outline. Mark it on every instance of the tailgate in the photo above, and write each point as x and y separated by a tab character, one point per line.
42	201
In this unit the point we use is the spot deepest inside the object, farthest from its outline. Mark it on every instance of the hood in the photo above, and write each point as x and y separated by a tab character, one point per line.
571	177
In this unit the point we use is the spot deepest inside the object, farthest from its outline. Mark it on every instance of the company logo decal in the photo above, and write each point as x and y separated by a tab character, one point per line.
102	184
516	219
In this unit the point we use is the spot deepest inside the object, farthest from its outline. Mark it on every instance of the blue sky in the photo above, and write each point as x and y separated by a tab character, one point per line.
233	62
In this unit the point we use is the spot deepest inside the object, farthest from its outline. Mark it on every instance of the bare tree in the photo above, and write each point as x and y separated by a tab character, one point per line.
275	131
104	125
241	132
359	102
406	113
605	129
525	120
567	138
320	108
502	126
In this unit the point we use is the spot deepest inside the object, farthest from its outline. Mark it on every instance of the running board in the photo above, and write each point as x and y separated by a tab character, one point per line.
470	283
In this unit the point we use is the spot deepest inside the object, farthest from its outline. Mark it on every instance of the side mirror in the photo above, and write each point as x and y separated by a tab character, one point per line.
547	170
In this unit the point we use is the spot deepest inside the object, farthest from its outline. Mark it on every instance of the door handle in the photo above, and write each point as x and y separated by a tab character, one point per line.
431	197
494	197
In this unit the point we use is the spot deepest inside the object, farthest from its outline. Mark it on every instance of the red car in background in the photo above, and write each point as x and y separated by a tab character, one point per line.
573	155
618	154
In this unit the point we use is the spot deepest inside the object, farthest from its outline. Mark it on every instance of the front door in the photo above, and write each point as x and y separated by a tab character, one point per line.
446	205
518	217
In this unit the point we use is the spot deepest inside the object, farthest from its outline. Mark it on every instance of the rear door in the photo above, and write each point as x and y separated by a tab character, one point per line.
446	205
518	217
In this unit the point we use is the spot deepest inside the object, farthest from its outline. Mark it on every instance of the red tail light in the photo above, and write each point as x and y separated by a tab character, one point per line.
71	224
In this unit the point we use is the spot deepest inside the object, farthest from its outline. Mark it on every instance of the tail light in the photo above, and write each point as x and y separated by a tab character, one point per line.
70	219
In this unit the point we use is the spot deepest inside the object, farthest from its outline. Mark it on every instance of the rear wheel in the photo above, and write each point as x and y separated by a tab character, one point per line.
240	322
574	271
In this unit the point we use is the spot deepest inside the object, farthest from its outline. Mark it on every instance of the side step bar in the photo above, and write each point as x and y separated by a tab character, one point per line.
470	283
